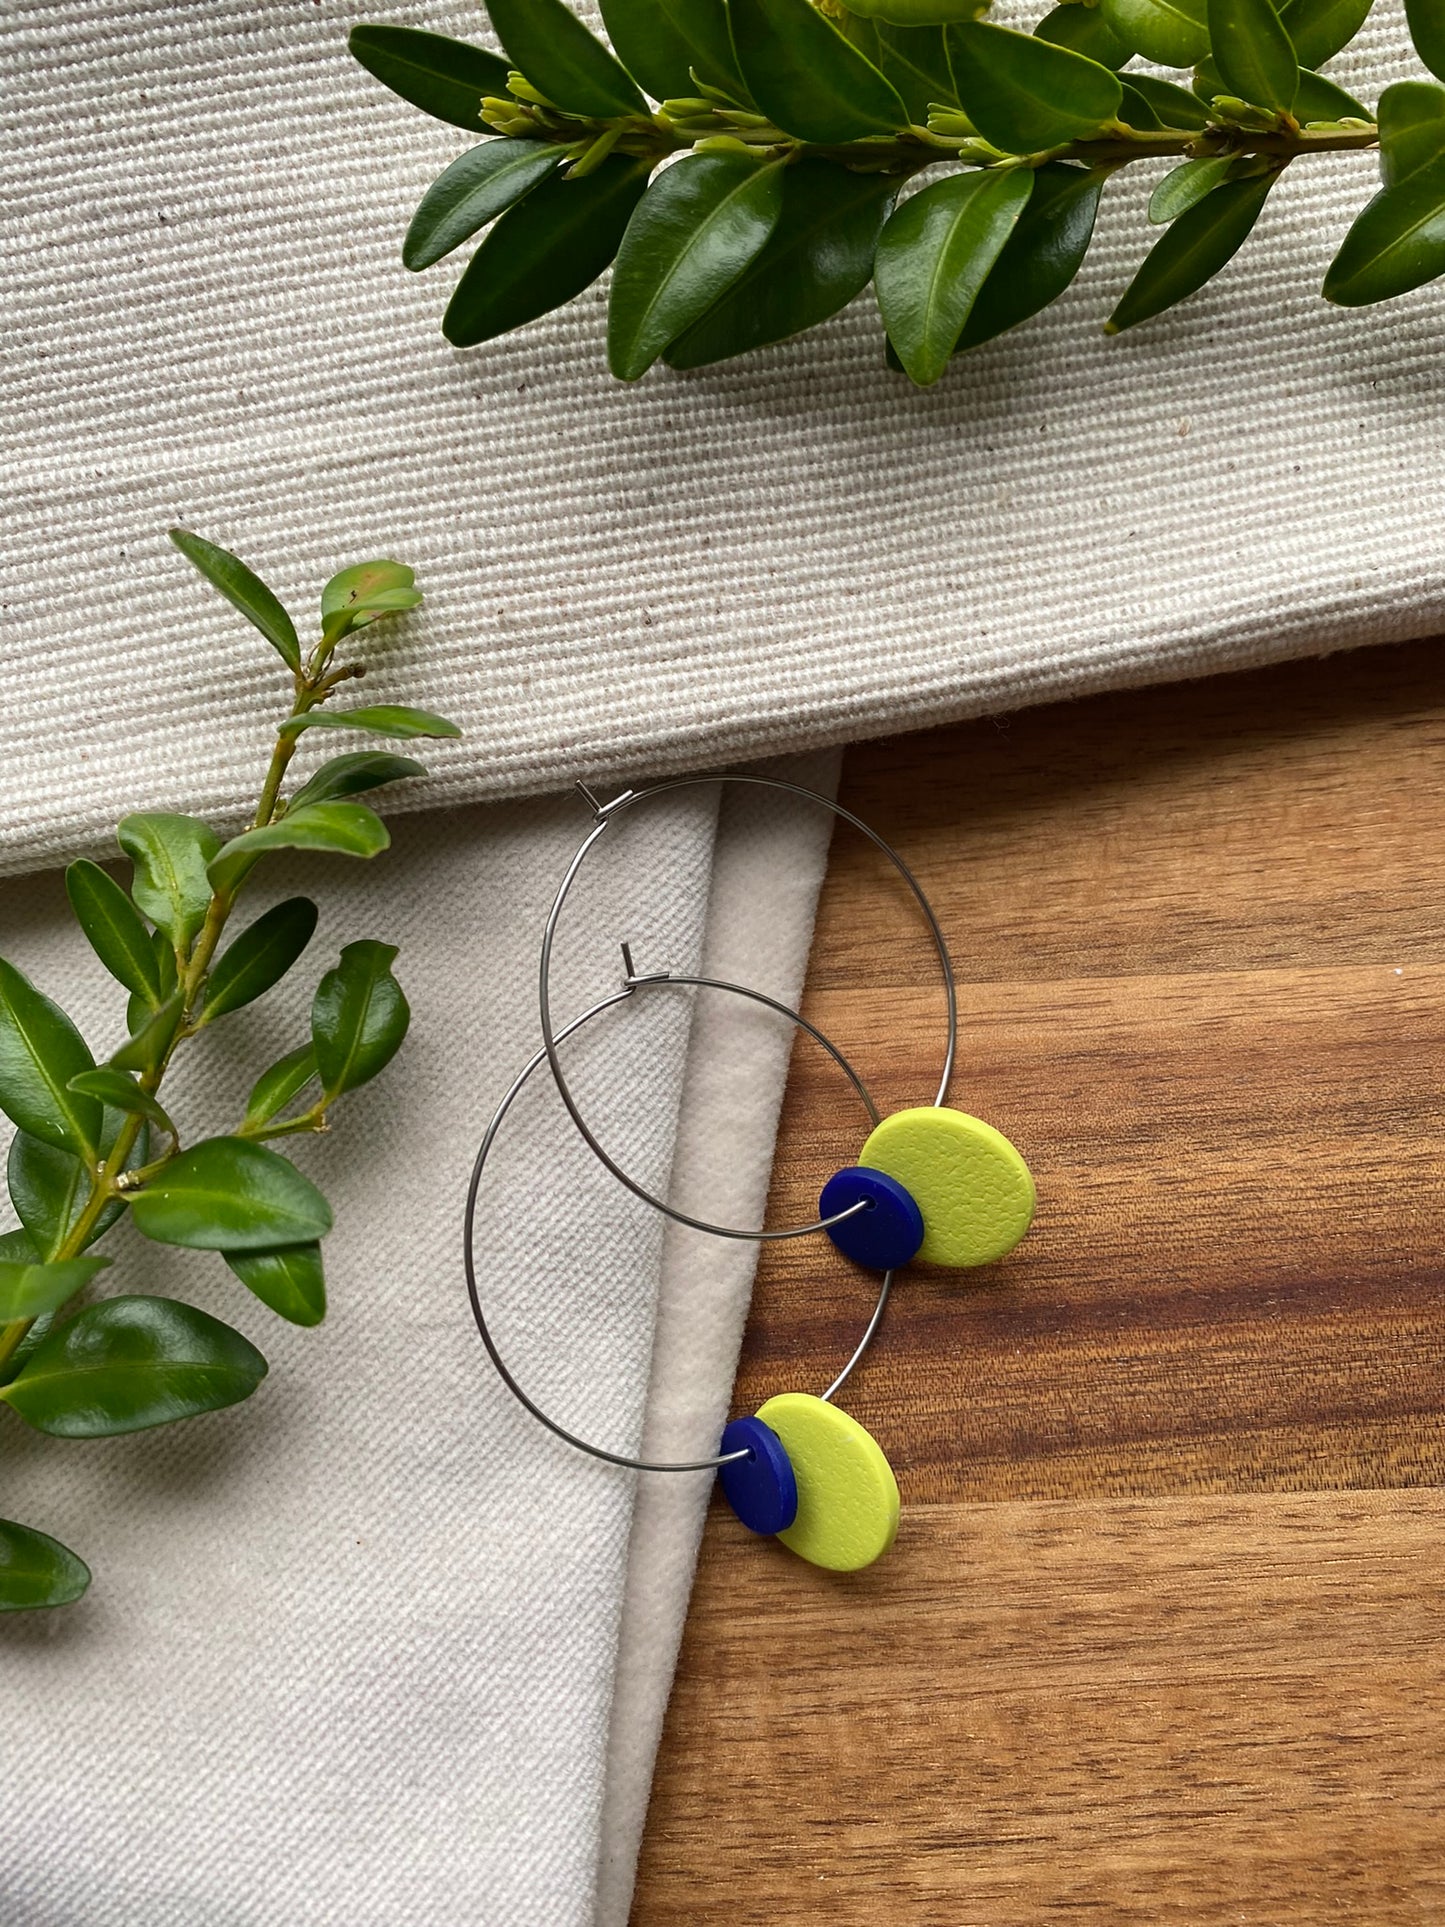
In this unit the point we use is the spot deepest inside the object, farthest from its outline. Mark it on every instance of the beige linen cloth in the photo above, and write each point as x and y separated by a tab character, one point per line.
351	1654
354	1652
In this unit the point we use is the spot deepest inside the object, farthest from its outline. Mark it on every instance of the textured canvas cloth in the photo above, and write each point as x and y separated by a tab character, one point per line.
349	1653
207	321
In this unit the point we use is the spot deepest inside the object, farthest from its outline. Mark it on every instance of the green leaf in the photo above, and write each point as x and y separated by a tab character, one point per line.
1135	111
347	829
17	1248
1173	32
549	44
33	1339
228	1194
445	78
1253	53
35	1290
245	591
1174	106
933	257
1193	250
49	1188
1024	94
275	1088
819	256
40	1051
548	248
385	602
145	1049
691	235
139	1010
663	42
1319	28
170	854
652	46
290	1280
382	719
1084	30
806	76
130	1363
1319	99
1411	118
36	1570
474	190
1396	244
1185	186
367	590
362	769
1426	20
114	930
359	1017
122	1093
915	59
260	957
357	584
1042	255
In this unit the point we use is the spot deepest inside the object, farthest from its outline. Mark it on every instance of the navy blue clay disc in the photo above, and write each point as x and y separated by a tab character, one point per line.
887	1234
761	1489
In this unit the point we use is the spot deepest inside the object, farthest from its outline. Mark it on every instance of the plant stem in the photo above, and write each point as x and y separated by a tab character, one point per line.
312	687
920	147
312	1120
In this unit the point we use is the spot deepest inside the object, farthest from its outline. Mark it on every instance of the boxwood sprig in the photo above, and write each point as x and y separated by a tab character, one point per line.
738	163
93	1141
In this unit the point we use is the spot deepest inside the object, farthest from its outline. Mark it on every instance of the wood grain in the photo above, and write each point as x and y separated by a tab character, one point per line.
1160	1638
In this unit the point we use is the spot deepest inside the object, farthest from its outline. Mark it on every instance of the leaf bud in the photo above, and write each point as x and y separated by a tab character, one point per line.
524	90
952	123
1231	108
507	116
595	155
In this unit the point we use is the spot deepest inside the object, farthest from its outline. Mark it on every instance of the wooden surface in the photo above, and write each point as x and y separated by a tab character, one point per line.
1161	1637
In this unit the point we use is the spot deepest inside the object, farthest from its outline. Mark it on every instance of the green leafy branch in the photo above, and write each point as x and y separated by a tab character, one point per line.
740	161
93	1141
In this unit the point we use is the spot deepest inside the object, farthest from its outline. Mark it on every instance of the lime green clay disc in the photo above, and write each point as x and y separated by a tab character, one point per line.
847	1494
973	1188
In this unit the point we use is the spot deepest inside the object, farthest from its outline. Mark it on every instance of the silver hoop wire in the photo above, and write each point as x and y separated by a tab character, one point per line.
523	1398
605	814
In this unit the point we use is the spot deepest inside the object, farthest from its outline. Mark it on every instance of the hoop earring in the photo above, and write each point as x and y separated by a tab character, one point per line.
931	1183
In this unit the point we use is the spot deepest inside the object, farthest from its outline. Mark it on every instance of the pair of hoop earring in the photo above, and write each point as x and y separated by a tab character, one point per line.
931	1185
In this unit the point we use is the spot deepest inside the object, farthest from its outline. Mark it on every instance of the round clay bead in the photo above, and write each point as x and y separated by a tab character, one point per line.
761	1489
973	1188
847	1494
884	1236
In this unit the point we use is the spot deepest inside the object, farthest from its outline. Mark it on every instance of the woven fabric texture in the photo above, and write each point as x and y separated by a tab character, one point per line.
207	321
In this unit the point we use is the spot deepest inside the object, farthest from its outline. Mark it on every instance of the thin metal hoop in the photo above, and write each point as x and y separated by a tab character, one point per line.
605	814
633	984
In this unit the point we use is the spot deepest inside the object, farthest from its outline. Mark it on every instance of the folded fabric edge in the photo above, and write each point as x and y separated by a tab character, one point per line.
803	719
769	860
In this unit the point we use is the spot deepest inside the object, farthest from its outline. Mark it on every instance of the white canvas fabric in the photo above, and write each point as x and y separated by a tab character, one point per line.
207	321
350	1648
